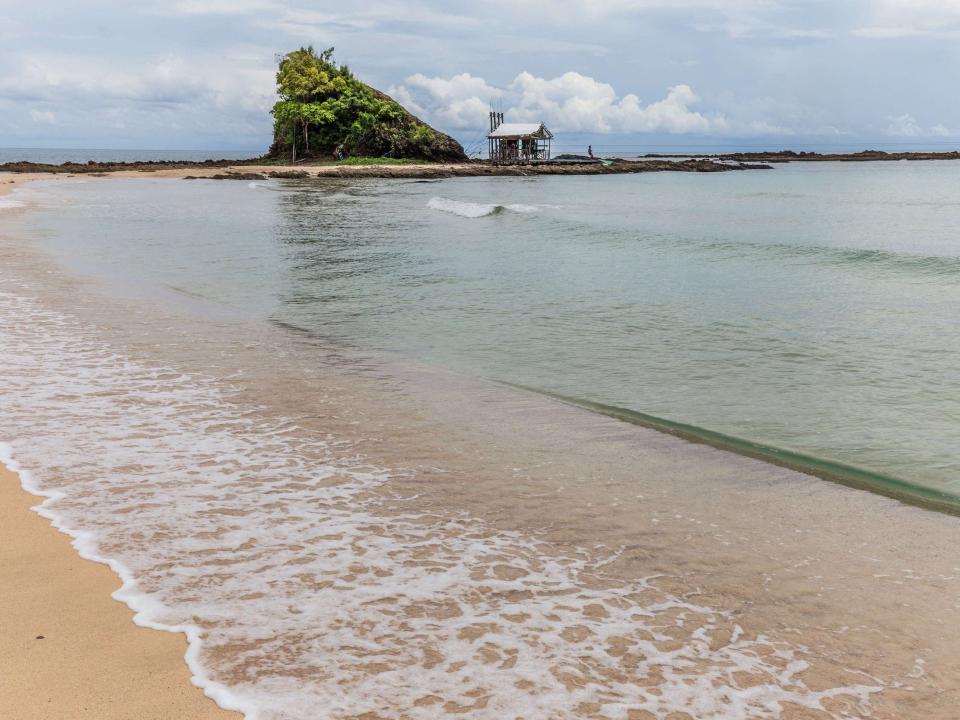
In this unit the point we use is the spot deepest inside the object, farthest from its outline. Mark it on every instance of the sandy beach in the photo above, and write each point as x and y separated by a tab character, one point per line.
70	650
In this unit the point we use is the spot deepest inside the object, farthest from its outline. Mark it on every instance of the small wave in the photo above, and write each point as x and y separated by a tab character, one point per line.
477	210
463	209
924	264
934	265
8	204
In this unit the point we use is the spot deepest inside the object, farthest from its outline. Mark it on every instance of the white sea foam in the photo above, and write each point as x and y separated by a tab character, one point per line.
477	210
300	588
10	203
463	209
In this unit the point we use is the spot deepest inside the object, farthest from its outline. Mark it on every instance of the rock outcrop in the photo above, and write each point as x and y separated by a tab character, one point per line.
324	112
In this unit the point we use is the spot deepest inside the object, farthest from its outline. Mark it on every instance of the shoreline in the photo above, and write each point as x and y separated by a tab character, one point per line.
251	170
72	650
649	162
257	169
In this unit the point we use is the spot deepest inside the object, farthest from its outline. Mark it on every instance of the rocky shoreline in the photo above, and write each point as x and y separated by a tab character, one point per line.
260	169
255	169
783	156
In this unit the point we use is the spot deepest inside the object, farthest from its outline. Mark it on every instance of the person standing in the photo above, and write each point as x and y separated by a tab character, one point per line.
590	150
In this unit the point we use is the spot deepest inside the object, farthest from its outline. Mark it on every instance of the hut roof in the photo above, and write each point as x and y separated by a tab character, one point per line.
518	130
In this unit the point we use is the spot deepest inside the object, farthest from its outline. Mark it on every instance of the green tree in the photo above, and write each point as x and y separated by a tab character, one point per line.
326	106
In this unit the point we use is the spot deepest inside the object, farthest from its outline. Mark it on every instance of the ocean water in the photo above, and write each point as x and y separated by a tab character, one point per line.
812	309
266	405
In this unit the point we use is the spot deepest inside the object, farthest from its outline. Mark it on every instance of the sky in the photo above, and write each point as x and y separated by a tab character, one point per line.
654	75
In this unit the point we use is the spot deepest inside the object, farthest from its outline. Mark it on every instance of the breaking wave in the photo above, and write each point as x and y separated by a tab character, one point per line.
477	210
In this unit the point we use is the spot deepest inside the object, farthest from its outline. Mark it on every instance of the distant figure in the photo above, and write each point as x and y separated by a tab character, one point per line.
590	150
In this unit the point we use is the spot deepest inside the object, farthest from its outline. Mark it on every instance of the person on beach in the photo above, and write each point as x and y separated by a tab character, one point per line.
590	150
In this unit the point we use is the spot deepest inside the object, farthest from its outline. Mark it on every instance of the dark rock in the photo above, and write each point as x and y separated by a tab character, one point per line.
238	176
863	156
290	174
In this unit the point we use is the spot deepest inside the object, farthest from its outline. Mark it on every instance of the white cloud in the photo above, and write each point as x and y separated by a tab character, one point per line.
903	125
906	126
215	81
748	26
221	7
218	99
607	8
577	102
460	101
43	116
570	102
912	18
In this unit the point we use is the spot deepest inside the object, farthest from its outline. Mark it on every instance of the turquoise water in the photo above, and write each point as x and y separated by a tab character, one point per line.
811	308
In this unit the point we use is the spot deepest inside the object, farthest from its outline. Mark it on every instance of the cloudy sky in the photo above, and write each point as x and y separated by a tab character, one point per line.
621	73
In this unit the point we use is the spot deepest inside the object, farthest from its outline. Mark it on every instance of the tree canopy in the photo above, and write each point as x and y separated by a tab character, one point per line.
323	109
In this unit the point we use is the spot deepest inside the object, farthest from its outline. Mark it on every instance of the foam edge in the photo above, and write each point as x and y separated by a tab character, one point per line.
128	594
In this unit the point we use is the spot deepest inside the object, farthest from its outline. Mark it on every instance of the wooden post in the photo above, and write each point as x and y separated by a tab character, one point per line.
490	141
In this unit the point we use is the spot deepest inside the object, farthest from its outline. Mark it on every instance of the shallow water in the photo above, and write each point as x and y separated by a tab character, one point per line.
811	308
336	526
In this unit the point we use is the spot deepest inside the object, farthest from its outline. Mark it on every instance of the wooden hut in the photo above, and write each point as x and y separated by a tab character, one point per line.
517	143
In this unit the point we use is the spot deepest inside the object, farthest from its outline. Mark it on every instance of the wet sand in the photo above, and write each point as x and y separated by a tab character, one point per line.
69	650
11	181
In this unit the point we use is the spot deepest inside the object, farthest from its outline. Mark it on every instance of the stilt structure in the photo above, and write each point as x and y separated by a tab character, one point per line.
517	143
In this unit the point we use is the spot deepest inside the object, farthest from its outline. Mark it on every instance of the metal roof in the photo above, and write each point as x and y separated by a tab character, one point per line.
512	130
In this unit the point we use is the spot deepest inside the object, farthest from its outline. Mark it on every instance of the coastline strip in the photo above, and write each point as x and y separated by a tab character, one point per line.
70	650
223	170
902	490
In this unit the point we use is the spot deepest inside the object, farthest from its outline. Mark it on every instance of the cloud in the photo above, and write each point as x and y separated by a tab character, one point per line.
43	116
168	71
892	19
906	126
221	7
611	8
170	80
169	100
460	101
748	26
570	102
